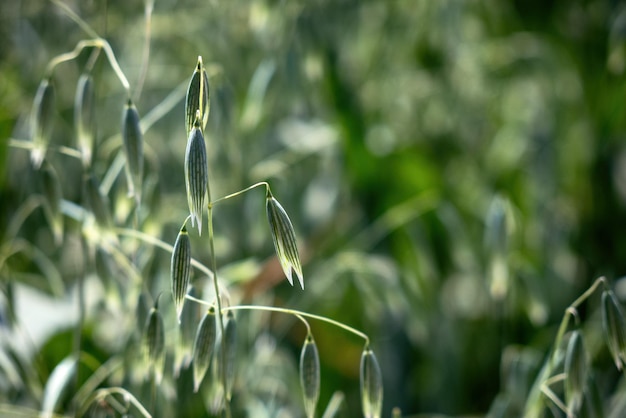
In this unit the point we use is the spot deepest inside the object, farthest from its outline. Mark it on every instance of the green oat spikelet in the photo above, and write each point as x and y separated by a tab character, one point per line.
576	372
42	121
284	238
310	375
180	269
84	117
203	347
614	327
133	149
196	174
371	385
154	342
198	97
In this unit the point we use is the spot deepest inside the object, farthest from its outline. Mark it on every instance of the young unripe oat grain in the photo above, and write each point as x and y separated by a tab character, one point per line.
84	117
196	174
284	238
310	375
614	327
42	121
180	269
203	347
154	342
576	372
198	97
371	385
133	149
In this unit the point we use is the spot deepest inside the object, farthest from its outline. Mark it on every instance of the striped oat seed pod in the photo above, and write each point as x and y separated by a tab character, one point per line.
180	269
203	347
576	372
42	121
154	342
133	149
196	174
284	238
614	327
198	98
52	204
310	375
371	385
85	117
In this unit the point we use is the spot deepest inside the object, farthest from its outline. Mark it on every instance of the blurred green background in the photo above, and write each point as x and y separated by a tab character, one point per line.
455	171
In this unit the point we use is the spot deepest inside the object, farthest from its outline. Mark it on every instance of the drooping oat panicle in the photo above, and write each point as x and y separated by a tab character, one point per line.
180	269
98	202
284	238
196	174
576	372
133	149
310	375
42	121
52	203
154	342
614	327
371	385
85	117
198	97
203	347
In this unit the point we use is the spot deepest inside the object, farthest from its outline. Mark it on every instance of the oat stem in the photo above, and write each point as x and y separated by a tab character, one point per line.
90	43
219	308
149	239
29	145
103	393
146	49
261	183
299	314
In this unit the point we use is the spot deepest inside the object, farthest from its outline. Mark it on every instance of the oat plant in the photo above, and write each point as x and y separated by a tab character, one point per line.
116	234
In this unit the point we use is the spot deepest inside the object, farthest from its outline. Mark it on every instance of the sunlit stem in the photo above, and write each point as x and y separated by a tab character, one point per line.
240	192
80	22
545	388
219	309
149	239
103	393
90	43
299	314
146	49
29	145
96	379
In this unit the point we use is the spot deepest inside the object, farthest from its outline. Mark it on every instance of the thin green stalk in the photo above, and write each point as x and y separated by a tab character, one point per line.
80	22
146	49
261	183
93	43
149	239
61	149
299	314
103	393
219	309
96	378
